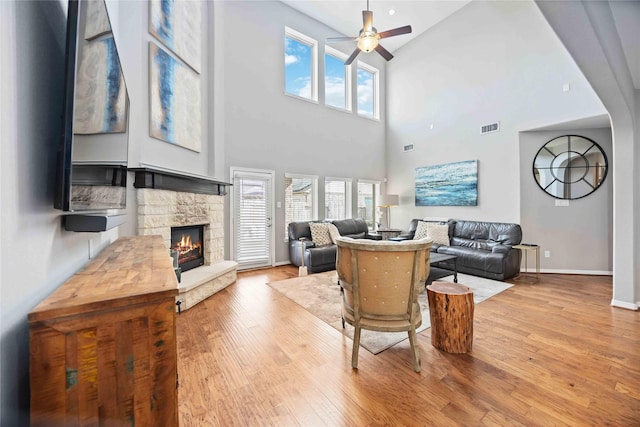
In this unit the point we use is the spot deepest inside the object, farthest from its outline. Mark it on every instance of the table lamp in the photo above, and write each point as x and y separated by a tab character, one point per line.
387	201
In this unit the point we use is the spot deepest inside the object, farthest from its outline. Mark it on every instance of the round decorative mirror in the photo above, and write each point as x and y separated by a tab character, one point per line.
570	167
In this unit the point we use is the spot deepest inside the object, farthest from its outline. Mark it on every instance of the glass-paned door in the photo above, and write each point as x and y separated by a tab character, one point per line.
252	213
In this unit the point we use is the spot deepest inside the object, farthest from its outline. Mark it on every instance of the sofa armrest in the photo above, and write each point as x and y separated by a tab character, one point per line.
501	249
295	250
307	244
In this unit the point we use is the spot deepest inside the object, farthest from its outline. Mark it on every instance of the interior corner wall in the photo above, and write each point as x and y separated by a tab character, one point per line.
37	254
636	207
590	33
488	62
266	129
579	237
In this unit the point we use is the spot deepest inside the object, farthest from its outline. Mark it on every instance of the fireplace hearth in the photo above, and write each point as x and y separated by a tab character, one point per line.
189	243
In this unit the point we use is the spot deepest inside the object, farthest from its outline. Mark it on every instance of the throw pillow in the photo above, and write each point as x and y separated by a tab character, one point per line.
320	233
421	231
439	233
333	232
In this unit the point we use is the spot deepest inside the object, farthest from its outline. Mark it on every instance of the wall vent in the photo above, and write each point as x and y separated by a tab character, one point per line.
408	147
493	127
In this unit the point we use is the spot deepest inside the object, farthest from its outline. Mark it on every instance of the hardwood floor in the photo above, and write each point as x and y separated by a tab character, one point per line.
548	353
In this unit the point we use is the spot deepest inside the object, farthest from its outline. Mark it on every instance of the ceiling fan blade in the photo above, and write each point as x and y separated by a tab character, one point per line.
384	52
367	20
341	39
395	32
352	57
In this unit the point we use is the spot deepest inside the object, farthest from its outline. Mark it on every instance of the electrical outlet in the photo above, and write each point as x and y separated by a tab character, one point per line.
547	254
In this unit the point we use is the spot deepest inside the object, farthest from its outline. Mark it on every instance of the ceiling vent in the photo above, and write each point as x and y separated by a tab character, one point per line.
493	127
408	147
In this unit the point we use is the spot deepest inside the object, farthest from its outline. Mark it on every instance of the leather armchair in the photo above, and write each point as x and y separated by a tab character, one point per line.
322	258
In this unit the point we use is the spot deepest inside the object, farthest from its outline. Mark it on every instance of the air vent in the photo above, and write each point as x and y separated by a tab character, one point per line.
408	147
493	127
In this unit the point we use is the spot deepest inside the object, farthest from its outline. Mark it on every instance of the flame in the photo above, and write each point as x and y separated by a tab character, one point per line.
184	246
185	242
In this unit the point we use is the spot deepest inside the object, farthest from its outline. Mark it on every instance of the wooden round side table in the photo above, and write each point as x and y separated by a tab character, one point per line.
451	311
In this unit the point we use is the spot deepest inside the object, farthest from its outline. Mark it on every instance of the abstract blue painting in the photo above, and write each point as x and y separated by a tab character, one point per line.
175	101
451	184
96	21
101	105
178	25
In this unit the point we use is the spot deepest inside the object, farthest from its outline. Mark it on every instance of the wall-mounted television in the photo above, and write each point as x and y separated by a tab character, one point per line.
92	157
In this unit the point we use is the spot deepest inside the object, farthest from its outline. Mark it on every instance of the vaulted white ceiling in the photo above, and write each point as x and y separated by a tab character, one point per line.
346	16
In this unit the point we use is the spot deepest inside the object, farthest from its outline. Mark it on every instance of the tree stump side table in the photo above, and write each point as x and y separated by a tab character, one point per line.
451	311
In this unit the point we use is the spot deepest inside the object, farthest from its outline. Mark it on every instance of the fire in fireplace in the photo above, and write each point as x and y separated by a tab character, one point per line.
189	243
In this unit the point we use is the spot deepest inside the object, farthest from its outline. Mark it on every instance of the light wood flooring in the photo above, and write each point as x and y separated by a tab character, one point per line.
551	353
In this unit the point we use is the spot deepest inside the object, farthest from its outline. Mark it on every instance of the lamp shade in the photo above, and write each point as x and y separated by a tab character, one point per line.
387	200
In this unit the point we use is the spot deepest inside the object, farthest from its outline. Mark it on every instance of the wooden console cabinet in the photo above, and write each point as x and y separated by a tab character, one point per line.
103	345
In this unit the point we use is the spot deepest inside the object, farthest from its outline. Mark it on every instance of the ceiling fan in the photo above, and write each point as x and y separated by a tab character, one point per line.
369	36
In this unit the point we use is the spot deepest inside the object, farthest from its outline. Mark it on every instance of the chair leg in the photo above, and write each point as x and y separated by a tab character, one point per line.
413	340
341	297
356	347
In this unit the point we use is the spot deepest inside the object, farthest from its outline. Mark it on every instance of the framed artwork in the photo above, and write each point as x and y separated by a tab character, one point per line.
97	20
101	95
178	26
175	101
451	184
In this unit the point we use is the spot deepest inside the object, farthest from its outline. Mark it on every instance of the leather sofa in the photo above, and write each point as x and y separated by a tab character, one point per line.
318	258
482	248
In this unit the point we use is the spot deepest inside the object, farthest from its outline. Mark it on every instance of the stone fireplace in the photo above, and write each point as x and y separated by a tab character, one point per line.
170	200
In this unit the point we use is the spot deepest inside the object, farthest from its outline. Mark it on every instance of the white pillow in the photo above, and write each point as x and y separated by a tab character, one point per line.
320	233
439	233
421	231
333	232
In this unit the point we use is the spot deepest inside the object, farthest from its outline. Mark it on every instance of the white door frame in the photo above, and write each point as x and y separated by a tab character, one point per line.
259	173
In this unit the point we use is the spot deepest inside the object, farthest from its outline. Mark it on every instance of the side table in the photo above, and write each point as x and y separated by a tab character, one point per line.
451	309
525	248
388	233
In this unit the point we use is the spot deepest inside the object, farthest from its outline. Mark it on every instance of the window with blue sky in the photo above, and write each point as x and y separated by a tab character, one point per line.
301	76
300	54
367	91
337	90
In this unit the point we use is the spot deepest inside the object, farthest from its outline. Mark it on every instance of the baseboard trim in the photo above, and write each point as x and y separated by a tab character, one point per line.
278	264
580	272
627	305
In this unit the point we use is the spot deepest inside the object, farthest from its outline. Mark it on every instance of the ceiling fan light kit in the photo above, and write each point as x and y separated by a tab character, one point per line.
368	39
367	42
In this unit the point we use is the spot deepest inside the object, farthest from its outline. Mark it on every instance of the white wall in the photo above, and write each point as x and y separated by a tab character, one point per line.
579	237
266	129
36	254
490	61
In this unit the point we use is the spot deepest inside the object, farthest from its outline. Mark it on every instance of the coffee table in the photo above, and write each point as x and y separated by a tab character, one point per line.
436	272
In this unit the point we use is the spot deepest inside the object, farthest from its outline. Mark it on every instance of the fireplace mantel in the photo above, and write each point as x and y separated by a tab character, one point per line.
148	177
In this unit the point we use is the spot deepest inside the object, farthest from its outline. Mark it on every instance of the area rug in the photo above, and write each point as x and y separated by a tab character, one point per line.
319	294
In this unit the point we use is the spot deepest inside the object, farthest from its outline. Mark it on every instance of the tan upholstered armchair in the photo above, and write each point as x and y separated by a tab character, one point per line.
380	283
